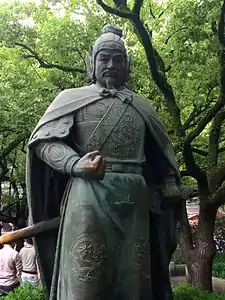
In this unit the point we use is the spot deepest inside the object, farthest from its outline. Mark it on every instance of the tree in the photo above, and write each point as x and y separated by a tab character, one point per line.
33	69
42	51
204	120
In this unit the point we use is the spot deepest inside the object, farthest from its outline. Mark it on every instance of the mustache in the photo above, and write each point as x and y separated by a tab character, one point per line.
110	72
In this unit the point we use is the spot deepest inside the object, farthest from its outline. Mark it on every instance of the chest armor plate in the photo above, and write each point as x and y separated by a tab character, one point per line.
125	141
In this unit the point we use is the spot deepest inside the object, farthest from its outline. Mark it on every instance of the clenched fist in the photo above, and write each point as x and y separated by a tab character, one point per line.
91	166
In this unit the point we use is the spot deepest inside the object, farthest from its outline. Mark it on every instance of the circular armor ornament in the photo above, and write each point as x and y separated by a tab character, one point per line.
88	258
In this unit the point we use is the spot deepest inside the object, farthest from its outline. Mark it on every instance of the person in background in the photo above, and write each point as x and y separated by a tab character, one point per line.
10	268
30	272
20	224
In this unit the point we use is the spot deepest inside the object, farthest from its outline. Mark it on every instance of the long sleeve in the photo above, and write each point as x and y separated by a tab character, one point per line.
57	155
18	264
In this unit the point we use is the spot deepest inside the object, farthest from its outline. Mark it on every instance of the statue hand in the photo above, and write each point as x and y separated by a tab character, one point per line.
91	166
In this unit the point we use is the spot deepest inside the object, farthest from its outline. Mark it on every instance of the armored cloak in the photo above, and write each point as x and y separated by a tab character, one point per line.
47	189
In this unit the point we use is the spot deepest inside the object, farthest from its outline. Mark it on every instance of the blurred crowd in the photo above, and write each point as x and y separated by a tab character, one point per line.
18	267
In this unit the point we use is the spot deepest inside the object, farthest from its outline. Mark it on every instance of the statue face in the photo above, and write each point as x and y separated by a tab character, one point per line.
110	68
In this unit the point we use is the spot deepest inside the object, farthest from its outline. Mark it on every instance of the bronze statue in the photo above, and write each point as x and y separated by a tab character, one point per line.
101	159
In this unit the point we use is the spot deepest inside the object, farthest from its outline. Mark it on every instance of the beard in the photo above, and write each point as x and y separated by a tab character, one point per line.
111	78
110	82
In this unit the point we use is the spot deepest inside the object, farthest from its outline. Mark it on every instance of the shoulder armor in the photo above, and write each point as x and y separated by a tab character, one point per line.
54	129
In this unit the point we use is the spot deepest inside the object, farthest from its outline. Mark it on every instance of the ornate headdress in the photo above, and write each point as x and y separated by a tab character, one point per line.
111	38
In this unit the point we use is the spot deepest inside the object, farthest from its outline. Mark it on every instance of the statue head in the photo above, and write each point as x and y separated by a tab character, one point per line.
108	62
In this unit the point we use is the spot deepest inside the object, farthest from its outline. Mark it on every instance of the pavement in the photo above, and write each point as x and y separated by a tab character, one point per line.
177	280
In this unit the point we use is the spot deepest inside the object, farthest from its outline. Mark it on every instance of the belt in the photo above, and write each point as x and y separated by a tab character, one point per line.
124	168
30	272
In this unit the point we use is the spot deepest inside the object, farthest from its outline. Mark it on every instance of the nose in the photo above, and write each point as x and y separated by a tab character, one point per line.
110	63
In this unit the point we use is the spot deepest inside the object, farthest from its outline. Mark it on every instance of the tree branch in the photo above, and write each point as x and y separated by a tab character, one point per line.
5	129
214	137
221	102
218	198
5	152
15	189
137	7
159	77
47	65
81	56
4	168
114	11
192	167
217	179
222	25
199	151
14	144
205	120
222	149
172	34
162	12
199	110
221	37
8	206
151	11
23	147
120	3
195	112
210	91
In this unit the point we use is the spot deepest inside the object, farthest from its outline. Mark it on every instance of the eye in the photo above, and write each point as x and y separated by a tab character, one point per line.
119	60
103	59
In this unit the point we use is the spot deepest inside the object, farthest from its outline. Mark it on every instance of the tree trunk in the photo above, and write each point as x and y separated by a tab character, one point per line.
199	257
200	270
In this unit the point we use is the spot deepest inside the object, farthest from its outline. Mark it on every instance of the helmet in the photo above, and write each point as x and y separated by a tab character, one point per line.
111	38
